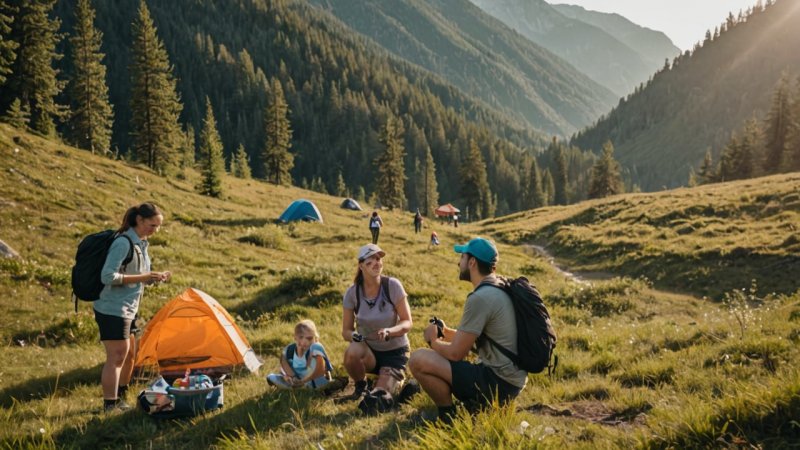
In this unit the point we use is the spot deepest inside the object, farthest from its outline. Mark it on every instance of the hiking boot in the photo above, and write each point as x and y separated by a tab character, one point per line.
336	385
376	402
358	393
409	390
118	406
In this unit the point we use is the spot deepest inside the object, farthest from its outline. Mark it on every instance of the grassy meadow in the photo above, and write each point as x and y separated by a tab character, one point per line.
679	349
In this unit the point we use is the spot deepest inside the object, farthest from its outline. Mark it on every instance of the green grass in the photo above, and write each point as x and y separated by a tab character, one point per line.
645	361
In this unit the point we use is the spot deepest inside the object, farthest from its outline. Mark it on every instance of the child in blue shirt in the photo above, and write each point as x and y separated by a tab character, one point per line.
303	363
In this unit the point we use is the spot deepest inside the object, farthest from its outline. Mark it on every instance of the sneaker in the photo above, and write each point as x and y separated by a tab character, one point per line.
376	402
336	385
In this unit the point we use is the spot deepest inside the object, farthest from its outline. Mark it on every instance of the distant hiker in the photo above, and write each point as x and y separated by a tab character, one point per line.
442	371
116	309
455	220
379	344
417	222
305	364
375	224
434	240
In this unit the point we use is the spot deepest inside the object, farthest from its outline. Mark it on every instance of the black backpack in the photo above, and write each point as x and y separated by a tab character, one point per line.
536	339
384	288
89	261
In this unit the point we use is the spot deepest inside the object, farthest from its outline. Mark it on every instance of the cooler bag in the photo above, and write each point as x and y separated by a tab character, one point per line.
164	401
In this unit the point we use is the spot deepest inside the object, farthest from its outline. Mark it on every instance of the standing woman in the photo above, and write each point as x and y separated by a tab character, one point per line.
380	307
375	224
118	304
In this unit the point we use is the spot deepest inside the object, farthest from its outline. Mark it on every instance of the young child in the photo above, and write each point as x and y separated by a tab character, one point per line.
434	241
303	363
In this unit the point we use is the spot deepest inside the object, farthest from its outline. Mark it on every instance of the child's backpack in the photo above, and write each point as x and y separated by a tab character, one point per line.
536	339
292	349
384	289
89	261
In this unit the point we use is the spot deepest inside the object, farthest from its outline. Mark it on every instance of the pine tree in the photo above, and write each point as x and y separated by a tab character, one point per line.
390	182
7	47
155	104
777	126
534	197
474	183
606	179
707	173
33	78
18	115
794	131
241	163
430	187
548	187
92	117
749	150
728	160
188	149
340	188
213	162
559	173
278	161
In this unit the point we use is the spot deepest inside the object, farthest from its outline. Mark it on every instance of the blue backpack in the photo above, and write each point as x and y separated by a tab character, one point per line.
292	349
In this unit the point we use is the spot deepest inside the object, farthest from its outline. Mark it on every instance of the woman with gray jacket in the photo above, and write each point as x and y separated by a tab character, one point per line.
115	311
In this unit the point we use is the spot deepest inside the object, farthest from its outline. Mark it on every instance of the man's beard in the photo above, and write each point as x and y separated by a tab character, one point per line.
463	275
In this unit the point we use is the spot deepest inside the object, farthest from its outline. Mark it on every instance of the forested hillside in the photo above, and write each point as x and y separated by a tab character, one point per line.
665	127
595	52
340	89
481	56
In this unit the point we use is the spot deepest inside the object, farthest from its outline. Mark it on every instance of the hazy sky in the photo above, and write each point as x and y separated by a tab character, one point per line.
683	21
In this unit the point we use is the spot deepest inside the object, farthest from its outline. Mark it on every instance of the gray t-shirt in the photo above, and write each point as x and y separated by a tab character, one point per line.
381	314
489	311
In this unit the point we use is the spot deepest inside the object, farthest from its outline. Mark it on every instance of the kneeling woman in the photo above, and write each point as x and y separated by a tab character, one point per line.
379	305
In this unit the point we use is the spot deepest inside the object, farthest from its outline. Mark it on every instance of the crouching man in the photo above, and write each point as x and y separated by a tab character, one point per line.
441	370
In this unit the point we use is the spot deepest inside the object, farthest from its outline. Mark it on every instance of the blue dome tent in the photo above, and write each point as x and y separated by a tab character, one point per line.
301	210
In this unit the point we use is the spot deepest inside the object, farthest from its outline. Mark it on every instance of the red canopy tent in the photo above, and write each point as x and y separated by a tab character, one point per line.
446	210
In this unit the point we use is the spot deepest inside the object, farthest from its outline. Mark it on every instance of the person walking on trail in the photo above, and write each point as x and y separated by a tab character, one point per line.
116	310
441	369
417	222
455	220
378	305
375	224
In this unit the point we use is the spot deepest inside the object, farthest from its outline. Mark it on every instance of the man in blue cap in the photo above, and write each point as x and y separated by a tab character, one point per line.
441	370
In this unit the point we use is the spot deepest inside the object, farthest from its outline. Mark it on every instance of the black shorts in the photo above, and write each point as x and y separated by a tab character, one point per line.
113	328
397	359
476	385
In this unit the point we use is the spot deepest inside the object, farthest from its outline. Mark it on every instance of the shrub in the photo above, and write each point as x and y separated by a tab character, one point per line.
602	300
269	236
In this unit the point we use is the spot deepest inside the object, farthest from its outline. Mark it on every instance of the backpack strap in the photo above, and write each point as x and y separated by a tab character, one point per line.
501	284
129	257
384	288
291	349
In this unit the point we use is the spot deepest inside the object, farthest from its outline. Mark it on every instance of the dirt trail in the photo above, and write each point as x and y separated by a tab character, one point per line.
578	277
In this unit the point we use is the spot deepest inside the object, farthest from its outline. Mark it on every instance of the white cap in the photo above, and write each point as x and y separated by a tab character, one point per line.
369	250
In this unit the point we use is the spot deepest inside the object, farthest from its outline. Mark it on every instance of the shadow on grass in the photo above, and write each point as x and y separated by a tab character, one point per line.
237	425
244	222
39	388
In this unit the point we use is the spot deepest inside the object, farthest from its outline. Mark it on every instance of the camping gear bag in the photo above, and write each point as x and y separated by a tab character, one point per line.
161	400
536	338
89	261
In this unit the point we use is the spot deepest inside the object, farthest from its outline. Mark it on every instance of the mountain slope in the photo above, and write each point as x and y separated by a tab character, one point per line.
481	56
649	361
652	46
663	130
590	49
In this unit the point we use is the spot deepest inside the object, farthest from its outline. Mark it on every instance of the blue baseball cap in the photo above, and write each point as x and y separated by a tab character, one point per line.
480	248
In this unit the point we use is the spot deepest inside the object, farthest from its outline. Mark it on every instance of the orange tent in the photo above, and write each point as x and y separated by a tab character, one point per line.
446	210
193	331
